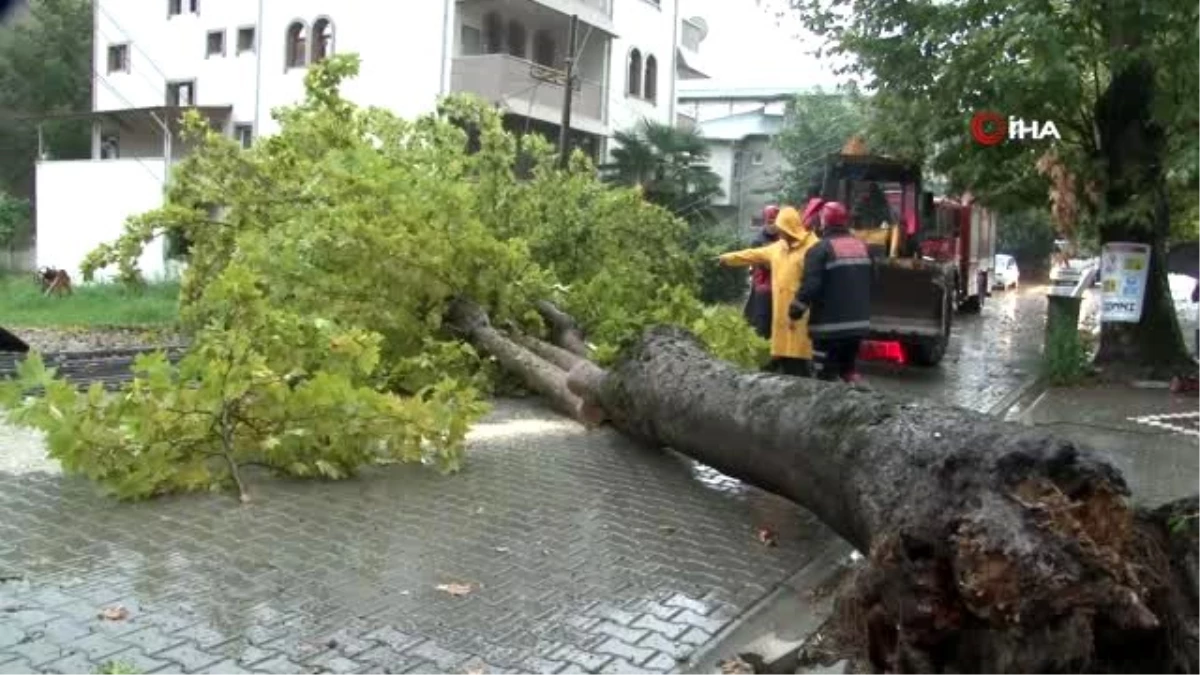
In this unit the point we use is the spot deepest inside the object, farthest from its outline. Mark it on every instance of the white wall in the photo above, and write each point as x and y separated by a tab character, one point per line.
84	203
705	110
651	28
400	44
721	161
405	47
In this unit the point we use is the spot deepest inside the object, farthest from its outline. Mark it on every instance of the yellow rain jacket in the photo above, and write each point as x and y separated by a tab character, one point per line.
788	339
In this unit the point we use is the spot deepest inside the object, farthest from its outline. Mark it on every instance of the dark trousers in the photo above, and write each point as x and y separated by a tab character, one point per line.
841	354
789	366
758	313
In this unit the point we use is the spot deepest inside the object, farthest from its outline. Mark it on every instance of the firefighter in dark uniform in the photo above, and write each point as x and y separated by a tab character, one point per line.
836	293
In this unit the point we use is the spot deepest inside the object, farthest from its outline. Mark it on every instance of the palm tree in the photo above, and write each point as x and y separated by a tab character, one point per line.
669	165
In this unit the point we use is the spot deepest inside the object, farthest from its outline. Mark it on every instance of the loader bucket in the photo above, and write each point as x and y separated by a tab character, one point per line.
907	300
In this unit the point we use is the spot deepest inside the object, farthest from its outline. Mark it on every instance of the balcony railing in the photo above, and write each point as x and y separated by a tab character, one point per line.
604	6
525	87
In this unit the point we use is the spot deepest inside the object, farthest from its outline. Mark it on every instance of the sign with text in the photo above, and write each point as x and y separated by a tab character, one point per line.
1124	268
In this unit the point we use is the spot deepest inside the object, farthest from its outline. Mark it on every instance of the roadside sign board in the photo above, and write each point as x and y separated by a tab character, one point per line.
1124	267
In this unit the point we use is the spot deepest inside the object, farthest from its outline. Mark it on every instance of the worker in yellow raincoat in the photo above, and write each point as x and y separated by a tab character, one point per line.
791	347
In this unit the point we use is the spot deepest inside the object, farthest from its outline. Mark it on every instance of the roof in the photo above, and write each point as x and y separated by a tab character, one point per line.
714	89
742	125
124	113
691	61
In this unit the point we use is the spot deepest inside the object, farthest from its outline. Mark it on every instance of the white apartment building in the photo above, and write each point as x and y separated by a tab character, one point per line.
740	125
236	60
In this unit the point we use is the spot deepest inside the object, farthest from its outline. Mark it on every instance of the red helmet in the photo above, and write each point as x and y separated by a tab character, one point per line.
811	210
770	213
833	214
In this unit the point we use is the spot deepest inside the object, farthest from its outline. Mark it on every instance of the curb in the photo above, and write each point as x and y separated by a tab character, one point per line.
757	630
1028	391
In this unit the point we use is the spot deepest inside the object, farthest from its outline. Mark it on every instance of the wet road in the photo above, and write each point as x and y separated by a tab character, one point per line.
580	552
990	354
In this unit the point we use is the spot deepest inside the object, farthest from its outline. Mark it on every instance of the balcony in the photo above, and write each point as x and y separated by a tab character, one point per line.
528	89
595	12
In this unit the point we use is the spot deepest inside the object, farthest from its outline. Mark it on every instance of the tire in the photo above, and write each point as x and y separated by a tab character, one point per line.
929	353
974	304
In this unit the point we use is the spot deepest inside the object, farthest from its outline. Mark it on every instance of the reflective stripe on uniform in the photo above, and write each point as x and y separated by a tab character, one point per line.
831	327
846	262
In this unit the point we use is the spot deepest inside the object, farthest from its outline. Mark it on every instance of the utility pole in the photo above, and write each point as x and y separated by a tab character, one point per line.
564	132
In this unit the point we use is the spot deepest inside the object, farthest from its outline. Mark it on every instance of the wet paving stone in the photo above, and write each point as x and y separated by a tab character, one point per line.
584	552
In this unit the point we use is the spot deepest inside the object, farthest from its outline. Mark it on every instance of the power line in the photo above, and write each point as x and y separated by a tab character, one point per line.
132	42
161	179
156	86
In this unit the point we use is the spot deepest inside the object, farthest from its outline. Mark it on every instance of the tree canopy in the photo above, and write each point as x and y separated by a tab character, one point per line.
817	124
1119	78
670	167
45	68
322	263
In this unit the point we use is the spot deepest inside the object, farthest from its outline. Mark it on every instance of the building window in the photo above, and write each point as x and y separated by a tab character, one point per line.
471	39
634	87
245	39
493	33
216	44
181	93
118	58
517	38
244	133
297	42
110	147
651	83
756	159
176	7
322	39
544	49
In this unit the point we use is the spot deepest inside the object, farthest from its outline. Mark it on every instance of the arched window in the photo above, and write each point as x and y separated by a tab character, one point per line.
297	41
493	34
634	86
516	39
544	49
322	39
651	83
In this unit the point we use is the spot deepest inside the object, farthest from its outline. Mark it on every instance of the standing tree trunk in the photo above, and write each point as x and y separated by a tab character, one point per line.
1136	210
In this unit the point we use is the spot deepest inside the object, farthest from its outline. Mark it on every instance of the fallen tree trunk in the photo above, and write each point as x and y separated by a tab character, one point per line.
564	331
993	547
536	373
553	353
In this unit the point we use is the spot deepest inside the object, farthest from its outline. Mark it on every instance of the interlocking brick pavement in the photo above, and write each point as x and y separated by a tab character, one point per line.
587	554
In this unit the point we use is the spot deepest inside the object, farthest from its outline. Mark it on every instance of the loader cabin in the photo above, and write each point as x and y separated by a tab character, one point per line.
884	198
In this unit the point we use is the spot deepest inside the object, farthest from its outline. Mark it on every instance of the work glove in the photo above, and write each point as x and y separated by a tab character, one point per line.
797	310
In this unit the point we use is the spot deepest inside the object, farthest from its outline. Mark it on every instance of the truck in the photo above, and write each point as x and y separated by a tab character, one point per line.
933	256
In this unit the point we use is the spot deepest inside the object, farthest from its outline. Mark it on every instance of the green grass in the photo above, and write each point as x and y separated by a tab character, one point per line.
22	304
